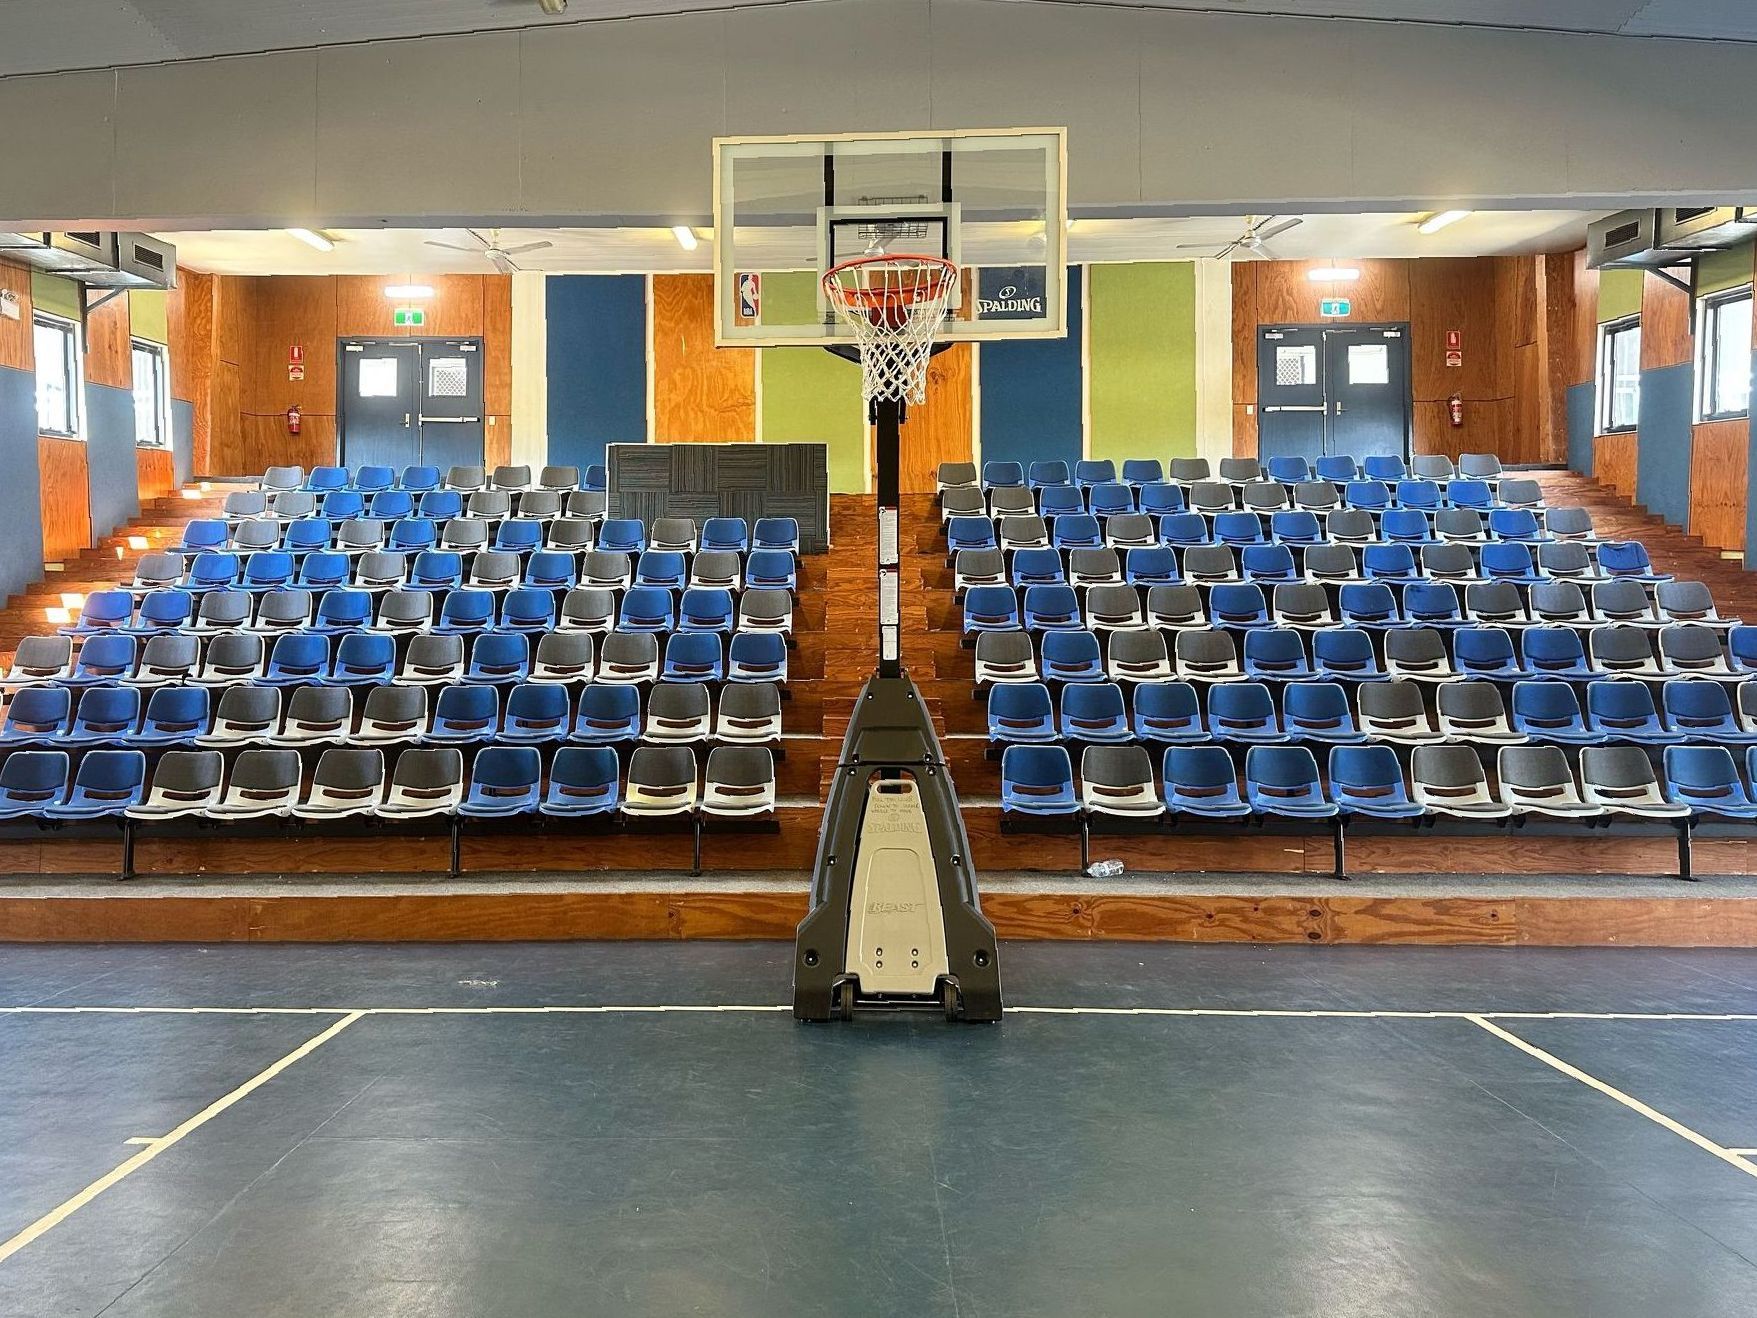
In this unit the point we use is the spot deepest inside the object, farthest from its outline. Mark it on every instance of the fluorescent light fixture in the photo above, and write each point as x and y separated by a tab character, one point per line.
1434	223
312	238
685	236
402	292
1333	274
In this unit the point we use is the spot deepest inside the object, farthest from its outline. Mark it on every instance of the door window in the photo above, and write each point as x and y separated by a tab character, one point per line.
1296	365
378	377
448	377
1369	363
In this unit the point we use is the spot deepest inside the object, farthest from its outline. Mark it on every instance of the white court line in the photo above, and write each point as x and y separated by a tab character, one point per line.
59	1214
1731	1157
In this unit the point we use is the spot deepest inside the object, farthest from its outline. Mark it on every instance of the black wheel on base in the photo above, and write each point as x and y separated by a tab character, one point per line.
845	1000
950	1002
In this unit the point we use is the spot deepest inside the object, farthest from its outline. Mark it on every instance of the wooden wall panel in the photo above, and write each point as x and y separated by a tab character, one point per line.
454	310
1719	482
1666	338
191	320
1584	346
700	393
940	429
1244	430
1286	296
15	335
1456	294
154	472
225	438
362	309
497	441
234	304
1485	428
66	498
292	310
497	344
1244	335
108	359
263	442
1613	462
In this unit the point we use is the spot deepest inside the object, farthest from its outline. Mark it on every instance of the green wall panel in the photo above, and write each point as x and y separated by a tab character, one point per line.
806	394
148	317
51	293
1141	360
1619	294
1723	268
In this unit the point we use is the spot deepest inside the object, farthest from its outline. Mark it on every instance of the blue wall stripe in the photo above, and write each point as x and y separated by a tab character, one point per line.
1662	462
1751	492
21	514
597	363
1580	424
182	441
109	451
1031	392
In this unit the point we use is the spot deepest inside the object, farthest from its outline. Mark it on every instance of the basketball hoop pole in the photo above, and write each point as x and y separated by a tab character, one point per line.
887	423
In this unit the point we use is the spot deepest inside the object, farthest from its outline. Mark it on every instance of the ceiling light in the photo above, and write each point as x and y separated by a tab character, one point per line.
685	236
1333	274
553	8
404	291
1434	223
312	238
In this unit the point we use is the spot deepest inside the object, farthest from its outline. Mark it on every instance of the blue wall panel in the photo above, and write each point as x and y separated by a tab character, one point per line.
597	360
182	441
1662	463
21	514
115	475
1580	419
1751	491
1031	392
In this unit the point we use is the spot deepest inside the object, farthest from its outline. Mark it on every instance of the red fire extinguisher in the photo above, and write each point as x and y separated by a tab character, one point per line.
1455	411
295	419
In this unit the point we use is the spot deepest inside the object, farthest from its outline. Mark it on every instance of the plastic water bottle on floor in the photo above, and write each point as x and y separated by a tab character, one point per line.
1105	869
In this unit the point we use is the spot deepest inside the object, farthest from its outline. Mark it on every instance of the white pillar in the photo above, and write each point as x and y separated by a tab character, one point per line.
1213	360
530	370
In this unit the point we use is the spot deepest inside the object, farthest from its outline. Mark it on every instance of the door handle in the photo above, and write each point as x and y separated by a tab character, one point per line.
1339	409
1295	408
450	420
406	419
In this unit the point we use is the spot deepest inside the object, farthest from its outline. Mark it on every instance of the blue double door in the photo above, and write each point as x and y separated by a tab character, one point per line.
1324	390
411	402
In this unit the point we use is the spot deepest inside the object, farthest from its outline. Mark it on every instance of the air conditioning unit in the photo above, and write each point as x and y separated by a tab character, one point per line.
1704	227
97	259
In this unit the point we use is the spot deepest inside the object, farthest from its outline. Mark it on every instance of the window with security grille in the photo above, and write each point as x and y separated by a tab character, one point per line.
447	377
1297	365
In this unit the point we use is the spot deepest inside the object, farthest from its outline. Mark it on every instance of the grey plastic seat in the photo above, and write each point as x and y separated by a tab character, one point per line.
1692	648
1210	563
1474	711
1114	608
402	612
360	535
1430	467
232	658
1023	532
625	658
1395	711
1559	602
1621	779
245	714
229	610
1118	780
1537	780
168	658
570	535
1003	657
588	609
426	781
1568	560
672	535
41	659
433	659
1461	524
464	535
1090	567
563	657
589	504
609	568
488	506
661	781
717	568
678	712
1623	601
1333	562
280	610
393	714
1449	780
282	478
1448	562
1688	601
539	505
1417	652
1207	655
1211	497
1319	497
1302	604
262	782
1130	531
158	571
565	479
1137	657
253	534
347	781
1520	493
510	478
1624	650
1235	470
466	478
184	783
494	569
739	782
1010	501
1496	602
962	501
765	611
316	714
749	713
1265	496
381	570
1175	607
1354	526
289	505
1479	466
1569	523
955	475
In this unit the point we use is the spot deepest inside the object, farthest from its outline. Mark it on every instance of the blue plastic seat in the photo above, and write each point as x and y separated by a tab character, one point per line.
528	609
340	505
323	479
622	535
1002	473
1110	499
536	713
1239	528
1156	566
1706	779
1049	608
990	609
1168	712
307	535
441	506
106	714
1243	712
693	657
608	715
31	782
1699	710
1368	780
203	534
1076	531
391	506
466	612
1406	526
1020	712
369	480
725	533
1742	649
1345	652
343	610
410	535
164	611
504	780
1201	781
419	480
1143	471
1368	604
1338	469
771	569
1509	560
1052	472
1487	652
364	659
1276	654
1268	563
1628	559
1161	498
757	657
1555	652
103	611
596	478
1288	469
1517	524
1284	781
298	658
1037	780
705	609
1037	567
646	609
1318	711
1623	710
1093	471
106	784
268	569
1060	501
1295	526
1433	604
500	656
464	714
1094	712
1071	656
550	569
323	571
583	781
1236	604
1389	563
436	569
969	533
1371	496
1185	530
1548	710
106	657
1471	494
1422	495
175	716
776	533
520	537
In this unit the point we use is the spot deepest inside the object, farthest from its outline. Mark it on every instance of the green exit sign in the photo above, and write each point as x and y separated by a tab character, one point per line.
415	317
1330	306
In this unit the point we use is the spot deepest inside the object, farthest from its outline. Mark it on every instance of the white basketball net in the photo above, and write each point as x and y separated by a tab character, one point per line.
894	305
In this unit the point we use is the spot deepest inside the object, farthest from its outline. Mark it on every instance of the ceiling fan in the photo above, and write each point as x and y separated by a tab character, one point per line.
1258	230
500	257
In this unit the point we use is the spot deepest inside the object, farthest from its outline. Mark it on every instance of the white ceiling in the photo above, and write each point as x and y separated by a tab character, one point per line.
604	251
52	35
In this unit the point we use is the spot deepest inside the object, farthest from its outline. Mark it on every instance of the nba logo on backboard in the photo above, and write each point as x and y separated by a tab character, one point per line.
750	296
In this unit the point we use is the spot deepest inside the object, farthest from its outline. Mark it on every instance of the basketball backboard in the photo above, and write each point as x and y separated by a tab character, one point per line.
786	209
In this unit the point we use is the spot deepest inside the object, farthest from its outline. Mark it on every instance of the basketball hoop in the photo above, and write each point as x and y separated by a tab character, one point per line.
894	305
